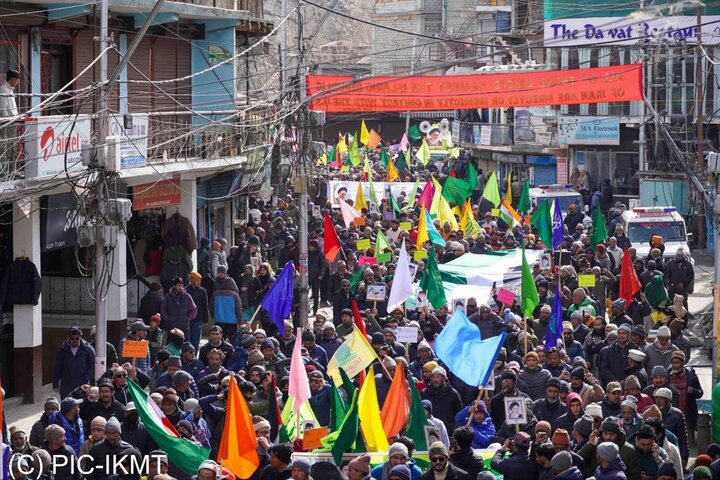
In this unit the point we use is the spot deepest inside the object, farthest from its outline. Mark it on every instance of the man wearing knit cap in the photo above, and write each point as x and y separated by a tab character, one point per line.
533	379
134	432
55	444
209	469
97	435
549	408
300	470
660	351
184	385
397	455
315	352
347	323
659	378
630	421
278	466
508	388
359	468
610	466
649	454
674	420
37	433
476	416
518	464
637	336
701	473
610	431
582	429
190	363
618	315
427	406
384	380
441	466
424	355
586	385
687	383
573	348
138	333
612	360
562	467
399	472
445	399
329	340
321	398
111	450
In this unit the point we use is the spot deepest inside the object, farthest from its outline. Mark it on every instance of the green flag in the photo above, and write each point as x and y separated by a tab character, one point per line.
355	280
417	420
381	244
431	284
332	154
599	233
528	290
347	385
414	133
287	429
472	176
542	220
347	432
393	203
338	409
412	199
401	162
373	196
354	152
384	156
491	191
456	191
523	205
184	454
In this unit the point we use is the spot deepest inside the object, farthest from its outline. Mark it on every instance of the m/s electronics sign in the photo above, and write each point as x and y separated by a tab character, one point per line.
49	140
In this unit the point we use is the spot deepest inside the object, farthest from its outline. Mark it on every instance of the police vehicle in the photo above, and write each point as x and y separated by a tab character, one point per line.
566	196
643	223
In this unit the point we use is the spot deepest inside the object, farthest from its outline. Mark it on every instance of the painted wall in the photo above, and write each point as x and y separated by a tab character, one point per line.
213	90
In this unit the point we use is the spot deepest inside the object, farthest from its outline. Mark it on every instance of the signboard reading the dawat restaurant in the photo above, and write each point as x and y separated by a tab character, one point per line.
571	23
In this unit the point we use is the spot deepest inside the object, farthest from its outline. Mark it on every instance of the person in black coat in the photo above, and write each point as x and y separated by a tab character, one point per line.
106	406
441	466
151	302
445	399
134	432
463	456
74	364
200	297
317	270
21	284
342	300
518	464
112	447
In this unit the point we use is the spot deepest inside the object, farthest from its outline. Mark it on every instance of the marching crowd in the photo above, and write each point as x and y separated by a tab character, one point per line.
614	400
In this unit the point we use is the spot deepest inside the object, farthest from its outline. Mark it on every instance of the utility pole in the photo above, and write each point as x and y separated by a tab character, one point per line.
302	183
700	163
100	268
412	72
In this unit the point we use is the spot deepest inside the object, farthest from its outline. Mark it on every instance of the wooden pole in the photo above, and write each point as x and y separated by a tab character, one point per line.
478	399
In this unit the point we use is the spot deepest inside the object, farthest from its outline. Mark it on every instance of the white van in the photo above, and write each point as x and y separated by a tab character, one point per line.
566	196
643	222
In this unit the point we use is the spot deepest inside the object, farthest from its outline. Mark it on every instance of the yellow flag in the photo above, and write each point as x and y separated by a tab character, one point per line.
360	202
467	221
392	173
435	205
323	159
445	214
341	145
352	356
508	194
364	134
369	414
422	233
423	153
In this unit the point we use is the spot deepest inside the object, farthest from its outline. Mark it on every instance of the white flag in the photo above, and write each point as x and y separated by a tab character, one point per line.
349	213
402	281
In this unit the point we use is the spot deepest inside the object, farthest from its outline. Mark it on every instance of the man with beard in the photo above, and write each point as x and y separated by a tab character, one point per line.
649	454
594	342
687	383
636	366
611	403
55	445
112	447
660	351
580	331
610	431
573	347
613	363
674	420
508	381
550	408
540	324
630	421
441	468
584	384
659	379
445	399
555	364
533	378
37	435
106	406
215	340
134	432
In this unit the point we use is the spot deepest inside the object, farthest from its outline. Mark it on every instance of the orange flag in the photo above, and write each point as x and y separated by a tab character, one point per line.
396	410
238	444
374	139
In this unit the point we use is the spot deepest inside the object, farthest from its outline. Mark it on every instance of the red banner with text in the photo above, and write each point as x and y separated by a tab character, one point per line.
160	194
335	94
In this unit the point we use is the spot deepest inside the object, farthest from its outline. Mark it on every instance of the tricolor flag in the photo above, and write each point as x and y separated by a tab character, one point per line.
509	215
184	454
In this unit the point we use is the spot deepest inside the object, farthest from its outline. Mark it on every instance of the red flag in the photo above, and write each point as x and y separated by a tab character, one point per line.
629	282
360	325
452	172
332	242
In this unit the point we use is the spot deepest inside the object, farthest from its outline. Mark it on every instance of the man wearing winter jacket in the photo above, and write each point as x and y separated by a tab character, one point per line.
69	419
674	420
680	276
200	297
687	383
612	360
138	332
610	431
550	408
226	307
320	399
518	464
112	449
445	399
74	364
178	308
463	455
479	421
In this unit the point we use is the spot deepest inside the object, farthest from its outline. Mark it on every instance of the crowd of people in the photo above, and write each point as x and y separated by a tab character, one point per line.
614	400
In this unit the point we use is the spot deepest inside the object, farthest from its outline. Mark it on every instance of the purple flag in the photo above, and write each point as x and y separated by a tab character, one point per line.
557	225
278	301
554	331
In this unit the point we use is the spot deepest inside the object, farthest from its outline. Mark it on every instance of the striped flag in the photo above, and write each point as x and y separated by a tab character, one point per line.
509	215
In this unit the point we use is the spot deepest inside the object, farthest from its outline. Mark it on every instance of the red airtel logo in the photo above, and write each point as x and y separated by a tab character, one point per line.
46	142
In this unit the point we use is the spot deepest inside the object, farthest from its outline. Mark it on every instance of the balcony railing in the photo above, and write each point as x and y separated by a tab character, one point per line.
255	7
485	134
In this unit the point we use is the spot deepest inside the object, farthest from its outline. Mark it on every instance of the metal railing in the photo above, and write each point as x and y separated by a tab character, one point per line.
64	295
255	7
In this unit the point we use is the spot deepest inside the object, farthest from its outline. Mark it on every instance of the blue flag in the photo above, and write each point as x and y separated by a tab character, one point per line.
278	301
460	347
557	225
554	331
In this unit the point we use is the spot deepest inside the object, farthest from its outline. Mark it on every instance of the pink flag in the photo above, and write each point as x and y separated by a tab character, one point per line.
367	260
349	213
298	387
404	143
426	198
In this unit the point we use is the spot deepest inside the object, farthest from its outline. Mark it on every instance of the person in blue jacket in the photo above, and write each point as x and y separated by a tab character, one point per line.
74	364
480	422
320	399
69	419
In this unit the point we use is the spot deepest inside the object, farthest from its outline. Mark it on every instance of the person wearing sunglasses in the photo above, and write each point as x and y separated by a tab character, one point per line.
74	364
441	467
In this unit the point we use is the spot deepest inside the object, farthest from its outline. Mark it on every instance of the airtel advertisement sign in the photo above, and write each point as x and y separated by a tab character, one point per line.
49	140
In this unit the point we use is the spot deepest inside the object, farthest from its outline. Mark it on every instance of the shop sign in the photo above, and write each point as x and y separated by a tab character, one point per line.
60	221
53	143
161	194
133	141
589	130
561	170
